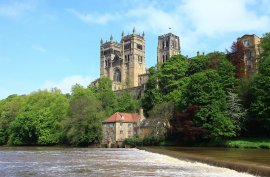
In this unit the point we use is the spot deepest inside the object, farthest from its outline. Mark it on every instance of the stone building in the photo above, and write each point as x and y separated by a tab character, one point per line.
152	127
124	62
252	53
168	46
120	126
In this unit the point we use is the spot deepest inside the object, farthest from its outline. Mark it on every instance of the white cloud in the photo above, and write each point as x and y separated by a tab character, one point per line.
197	22
16	8
66	84
39	48
94	18
211	17
153	19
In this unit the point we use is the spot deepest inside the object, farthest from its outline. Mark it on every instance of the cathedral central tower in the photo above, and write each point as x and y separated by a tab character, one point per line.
168	46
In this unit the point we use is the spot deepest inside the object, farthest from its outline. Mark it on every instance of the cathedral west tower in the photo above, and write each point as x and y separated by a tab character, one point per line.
123	62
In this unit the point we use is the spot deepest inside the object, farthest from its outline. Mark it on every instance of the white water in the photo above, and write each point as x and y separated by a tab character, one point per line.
43	162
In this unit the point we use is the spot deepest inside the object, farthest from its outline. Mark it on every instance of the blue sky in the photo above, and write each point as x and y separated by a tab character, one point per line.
55	43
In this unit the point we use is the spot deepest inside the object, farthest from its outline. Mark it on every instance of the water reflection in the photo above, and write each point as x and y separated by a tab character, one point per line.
24	162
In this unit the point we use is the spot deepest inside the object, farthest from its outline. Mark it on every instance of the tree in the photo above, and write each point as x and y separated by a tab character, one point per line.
125	103
237	58
163	112
206	90
38	122
83	125
105	94
259	123
9	109
171	73
152	95
197	64
265	45
235	110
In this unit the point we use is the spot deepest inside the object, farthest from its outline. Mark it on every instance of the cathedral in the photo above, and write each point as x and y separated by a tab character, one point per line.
124	62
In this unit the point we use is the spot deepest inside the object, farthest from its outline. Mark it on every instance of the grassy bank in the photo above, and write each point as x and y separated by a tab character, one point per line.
248	143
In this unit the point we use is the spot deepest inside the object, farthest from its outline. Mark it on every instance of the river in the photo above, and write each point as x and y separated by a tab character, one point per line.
99	162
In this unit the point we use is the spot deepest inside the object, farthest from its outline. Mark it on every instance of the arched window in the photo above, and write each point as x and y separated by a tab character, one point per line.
163	58
117	75
248	53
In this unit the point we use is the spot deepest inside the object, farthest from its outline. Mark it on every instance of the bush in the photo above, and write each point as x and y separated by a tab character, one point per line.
147	141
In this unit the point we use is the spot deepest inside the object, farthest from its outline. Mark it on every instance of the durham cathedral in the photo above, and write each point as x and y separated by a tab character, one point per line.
124	62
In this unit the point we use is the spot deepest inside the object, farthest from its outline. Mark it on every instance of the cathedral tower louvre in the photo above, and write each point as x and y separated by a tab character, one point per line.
123	62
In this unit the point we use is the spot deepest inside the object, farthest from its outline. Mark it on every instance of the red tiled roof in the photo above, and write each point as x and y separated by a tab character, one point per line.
122	117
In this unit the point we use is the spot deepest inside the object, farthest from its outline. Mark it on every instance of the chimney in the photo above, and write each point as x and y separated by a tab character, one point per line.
198	53
203	53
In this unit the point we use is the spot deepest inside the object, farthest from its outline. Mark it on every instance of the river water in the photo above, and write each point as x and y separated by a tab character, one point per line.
98	162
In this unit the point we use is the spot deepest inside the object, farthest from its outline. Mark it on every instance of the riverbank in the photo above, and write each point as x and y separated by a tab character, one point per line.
241	165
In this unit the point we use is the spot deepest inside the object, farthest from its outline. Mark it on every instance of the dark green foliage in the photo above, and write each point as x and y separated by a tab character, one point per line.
206	90
125	103
204	81
265	45
259	122
152	95
147	141
171	73
197	64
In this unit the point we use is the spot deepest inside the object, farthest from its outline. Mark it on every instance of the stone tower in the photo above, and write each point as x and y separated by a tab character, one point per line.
252	53
168	46
123	62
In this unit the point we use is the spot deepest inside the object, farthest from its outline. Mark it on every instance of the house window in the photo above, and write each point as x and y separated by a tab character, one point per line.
248	53
248	62
121	123
121	131
246	43
129	125
129	132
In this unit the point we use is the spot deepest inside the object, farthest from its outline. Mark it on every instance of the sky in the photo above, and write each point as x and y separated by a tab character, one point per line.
56	43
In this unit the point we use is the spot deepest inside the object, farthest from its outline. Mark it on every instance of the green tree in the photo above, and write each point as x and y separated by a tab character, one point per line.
152	95
197	64
83	125
105	94
39	121
206	90
265	45
125	103
171	73
9	109
235	110
259	123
